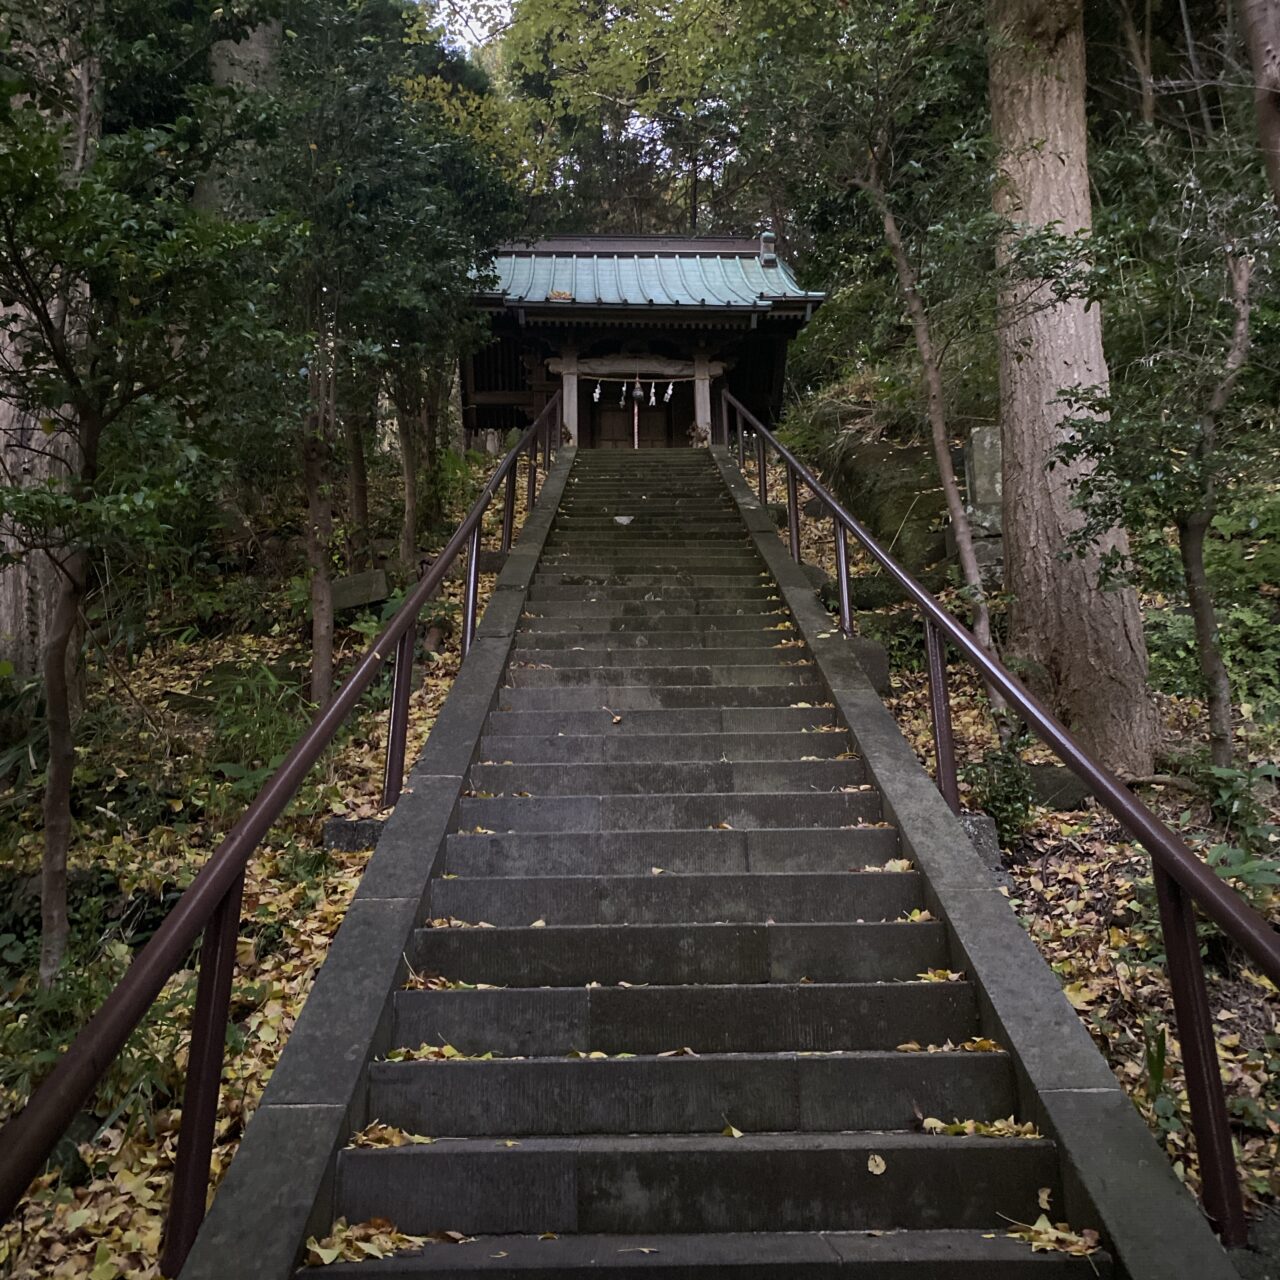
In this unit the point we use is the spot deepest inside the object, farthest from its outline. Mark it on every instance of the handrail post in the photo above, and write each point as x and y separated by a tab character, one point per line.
742	447
398	722
472	596
842	575
724	422
531	495
793	513
204	1080
1220	1184
944	746
762	470
509	511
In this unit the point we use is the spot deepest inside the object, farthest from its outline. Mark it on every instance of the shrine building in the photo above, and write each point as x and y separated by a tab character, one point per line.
640	332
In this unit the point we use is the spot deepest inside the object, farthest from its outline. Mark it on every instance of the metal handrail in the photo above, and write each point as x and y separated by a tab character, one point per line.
1182	879
211	904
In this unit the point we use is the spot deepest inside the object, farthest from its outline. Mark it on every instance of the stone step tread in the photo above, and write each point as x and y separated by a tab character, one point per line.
540	621
674	656
677	852
755	1092
727	720
705	810
688	1182
744	677
662	898
625	696
710	1018
667	777
566	747
756	1255
745	953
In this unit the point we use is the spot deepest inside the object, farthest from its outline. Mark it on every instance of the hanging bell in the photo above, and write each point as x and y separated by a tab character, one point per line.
637	393
653	394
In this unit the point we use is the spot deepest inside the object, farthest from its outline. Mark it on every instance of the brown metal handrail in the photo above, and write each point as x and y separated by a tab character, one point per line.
211	904
1182	880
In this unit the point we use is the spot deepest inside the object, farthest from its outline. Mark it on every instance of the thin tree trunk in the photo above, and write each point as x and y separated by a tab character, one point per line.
407	423
315	469
1139	43
355	424
1193	528
1191	539
60	725
1084	646
1262	36
937	413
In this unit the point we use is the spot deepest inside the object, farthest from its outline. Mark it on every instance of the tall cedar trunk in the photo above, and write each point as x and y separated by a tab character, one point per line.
1191	537
937	413
315	472
1084	646
1262	35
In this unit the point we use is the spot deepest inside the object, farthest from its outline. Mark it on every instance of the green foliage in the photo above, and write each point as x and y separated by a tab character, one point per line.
1001	787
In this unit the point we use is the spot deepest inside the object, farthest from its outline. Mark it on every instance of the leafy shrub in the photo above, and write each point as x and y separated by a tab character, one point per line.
1001	787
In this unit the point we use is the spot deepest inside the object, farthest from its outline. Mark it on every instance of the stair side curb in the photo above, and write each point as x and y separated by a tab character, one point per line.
262	1214
1115	1177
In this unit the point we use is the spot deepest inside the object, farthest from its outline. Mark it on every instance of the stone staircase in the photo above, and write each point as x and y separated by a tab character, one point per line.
705	953
671	948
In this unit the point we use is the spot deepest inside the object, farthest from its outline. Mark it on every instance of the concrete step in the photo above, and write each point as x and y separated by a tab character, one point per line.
742	675
753	1255
793	1182
756	1093
571	748
645	582
667	777
670	812
675	523
679	954
622	697
666	657
761	638
597	591
636	853
716	562
688	537
779	1017
600	899
732	720
550	622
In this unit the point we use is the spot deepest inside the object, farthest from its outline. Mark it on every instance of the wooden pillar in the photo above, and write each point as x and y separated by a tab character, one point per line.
702	394
569	405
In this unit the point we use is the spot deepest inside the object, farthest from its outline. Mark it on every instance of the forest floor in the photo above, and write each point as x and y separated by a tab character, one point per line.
1082	890
99	1212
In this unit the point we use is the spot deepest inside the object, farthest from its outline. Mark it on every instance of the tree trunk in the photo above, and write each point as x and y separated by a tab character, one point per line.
1191	538
407	423
28	584
60	725
937	413
315	470
1262	35
358	490
1084	646
1139	43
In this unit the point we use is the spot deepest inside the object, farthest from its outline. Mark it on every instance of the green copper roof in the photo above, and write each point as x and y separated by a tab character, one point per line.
649	271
